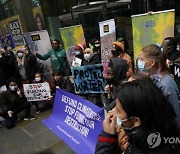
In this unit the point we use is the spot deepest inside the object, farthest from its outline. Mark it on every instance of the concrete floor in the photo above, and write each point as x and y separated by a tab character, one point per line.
29	137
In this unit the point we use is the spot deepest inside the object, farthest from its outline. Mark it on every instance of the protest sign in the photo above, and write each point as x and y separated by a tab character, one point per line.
37	91
76	62
72	36
108	36
88	79
76	121
7	41
151	28
39	42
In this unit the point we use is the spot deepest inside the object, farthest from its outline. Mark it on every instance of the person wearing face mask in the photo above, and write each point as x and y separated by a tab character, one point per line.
89	58
79	51
118	51
26	64
143	113
152	62
58	57
116	74
13	102
97	50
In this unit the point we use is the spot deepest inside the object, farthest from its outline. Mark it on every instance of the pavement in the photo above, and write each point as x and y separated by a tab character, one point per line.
29	137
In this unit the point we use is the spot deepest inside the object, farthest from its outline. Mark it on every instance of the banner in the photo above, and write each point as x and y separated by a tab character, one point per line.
37	91
152	28
72	36
88	79
39	42
76	121
7	41
108	36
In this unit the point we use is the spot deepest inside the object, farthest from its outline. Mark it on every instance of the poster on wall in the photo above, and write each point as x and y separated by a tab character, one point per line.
39	42
72	36
16	32
7	41
152	28
107	37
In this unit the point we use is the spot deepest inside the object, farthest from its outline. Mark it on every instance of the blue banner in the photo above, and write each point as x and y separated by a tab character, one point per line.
7	41
88	79
76	121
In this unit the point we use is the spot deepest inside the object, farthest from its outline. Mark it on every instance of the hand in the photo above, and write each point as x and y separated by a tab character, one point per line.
10	113
57	87
49	98
108	89
19	92
109	123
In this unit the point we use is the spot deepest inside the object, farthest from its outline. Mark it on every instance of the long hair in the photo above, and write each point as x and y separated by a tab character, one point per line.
143	99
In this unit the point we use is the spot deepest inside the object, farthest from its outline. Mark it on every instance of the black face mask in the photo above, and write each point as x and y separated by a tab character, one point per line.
110	81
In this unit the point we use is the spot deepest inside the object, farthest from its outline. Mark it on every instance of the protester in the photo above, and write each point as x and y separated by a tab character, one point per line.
152	62
116	72
40	105
58	58
118	51
61	82
79	51
12	102
89	58
26	64
97	50
143	113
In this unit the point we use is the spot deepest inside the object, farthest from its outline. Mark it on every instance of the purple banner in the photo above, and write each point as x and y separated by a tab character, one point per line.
7	41
76	121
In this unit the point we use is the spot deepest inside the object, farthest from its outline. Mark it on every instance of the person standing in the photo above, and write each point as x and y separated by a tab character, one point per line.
58	58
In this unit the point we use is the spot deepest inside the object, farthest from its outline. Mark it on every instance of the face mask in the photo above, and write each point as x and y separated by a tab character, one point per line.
97	45
20	55
119	123
87	56
77	53
13	88
37	79
141	66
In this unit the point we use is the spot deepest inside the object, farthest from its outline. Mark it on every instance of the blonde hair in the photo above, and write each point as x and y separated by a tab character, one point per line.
90	51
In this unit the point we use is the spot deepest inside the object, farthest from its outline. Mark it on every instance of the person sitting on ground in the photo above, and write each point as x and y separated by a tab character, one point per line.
61	82
12	102
144	115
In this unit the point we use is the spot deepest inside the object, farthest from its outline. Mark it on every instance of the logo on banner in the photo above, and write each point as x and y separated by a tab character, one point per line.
106	28
35	37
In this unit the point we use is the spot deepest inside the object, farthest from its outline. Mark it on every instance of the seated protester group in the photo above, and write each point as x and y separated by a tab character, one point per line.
13	102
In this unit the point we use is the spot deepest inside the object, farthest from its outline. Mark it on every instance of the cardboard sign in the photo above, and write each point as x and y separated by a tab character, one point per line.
76	62
88	79
37	92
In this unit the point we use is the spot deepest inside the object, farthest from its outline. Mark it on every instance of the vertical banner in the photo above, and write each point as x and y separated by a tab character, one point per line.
88	79
152	28
71	36
108	36
39	42
76	121
16	31
7	41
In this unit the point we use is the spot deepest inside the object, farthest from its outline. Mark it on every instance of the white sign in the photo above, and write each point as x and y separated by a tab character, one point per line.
76	62
37	91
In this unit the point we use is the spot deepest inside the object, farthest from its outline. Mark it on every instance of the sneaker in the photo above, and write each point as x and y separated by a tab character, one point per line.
38	112
29	117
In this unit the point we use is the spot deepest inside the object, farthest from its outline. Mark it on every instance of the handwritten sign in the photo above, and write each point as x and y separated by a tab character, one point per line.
7	41
76	62
76	121
88	79
37	92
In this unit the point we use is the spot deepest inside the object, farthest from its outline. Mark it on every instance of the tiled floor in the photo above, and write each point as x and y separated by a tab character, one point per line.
29	137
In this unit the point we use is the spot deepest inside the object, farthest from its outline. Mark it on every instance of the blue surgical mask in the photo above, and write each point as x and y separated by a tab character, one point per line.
77	53
141	65
20	55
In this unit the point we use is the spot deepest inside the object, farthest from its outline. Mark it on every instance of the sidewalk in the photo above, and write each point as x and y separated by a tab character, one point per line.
29	137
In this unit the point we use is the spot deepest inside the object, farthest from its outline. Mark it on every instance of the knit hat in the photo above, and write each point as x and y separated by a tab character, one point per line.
119	44
81	47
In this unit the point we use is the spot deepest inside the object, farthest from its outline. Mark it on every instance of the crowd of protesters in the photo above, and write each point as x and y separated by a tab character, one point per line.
139	100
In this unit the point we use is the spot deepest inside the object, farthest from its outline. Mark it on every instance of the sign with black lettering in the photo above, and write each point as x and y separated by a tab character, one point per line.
35	37
37	91
175	69
88	79
7	41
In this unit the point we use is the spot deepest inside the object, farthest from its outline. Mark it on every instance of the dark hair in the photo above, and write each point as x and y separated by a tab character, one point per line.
154	52
171	42
41	20
118	51
126	44
145	100
140	76
12	79
120	68
60	73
